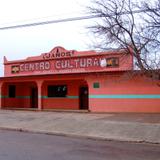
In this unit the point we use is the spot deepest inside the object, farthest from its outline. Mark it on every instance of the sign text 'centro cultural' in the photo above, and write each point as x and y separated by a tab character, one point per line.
62	64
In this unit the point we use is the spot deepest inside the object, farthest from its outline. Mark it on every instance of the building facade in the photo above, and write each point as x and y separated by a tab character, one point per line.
72	80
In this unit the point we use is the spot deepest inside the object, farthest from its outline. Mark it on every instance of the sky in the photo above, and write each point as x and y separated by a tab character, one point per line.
21	43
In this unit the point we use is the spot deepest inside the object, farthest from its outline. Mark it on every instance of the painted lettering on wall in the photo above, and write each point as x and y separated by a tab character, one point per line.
58	54
36	66
76	63
53	65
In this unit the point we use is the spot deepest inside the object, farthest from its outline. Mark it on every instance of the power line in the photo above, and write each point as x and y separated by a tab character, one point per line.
69	19
50	22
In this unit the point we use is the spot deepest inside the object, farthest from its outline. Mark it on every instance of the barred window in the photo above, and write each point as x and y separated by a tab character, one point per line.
57	91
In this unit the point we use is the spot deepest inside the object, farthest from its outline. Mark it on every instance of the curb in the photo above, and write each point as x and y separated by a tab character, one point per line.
76	135
46	110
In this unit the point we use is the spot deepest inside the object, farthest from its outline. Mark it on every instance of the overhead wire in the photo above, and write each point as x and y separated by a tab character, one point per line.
49	22
70	19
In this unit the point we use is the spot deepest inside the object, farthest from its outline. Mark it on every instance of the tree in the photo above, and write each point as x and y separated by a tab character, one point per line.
153	15
126	25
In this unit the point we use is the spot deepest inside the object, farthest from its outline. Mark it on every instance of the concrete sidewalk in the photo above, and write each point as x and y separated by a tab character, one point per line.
123	127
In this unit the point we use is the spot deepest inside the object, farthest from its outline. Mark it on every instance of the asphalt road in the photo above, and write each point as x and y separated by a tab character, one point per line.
29	146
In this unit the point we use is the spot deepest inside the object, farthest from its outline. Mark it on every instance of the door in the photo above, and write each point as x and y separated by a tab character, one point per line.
34	97
83	97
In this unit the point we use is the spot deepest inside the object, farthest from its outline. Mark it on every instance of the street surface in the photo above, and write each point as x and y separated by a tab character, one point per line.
30	146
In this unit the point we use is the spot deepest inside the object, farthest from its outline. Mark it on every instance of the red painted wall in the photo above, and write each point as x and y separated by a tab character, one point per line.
22	100
62	102
125	105
110	84
119	85
23	94
78	62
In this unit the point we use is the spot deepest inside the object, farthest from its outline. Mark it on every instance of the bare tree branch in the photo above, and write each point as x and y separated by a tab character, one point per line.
121	25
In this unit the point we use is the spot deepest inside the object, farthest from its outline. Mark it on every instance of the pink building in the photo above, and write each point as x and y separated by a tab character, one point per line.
72	80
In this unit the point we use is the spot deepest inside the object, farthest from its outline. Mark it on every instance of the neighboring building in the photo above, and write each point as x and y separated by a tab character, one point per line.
72	80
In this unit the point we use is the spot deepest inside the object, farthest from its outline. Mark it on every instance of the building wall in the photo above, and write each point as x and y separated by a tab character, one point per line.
23	95
111	88
118	93
62	61
71	101
22	99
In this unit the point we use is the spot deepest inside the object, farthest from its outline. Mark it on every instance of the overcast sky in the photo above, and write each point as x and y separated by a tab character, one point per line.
23	42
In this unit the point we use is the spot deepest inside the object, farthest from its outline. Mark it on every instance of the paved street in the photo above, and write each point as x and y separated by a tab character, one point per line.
30	146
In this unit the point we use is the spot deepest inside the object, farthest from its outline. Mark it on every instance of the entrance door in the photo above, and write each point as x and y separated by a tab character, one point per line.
34	97
83	97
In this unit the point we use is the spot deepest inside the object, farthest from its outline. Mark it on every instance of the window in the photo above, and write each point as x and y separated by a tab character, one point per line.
12	91
57	91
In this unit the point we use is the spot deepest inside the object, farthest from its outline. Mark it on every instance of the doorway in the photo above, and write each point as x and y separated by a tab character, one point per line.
83	97
34	97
